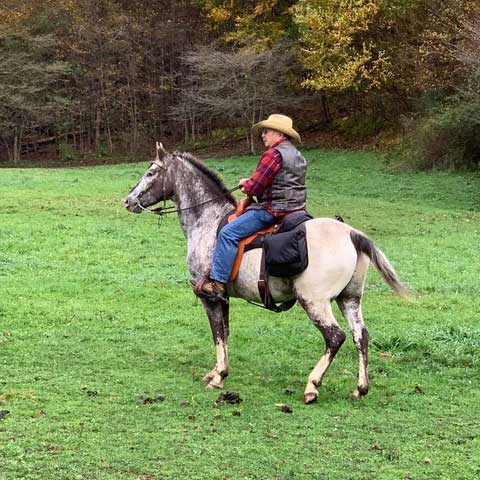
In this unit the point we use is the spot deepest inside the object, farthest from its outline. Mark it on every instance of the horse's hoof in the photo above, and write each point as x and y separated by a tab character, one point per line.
208	377
215	385
356	396
310	397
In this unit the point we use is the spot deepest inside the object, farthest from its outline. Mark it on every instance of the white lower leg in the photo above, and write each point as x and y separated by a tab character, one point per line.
360	336
315	378
221	368
322	317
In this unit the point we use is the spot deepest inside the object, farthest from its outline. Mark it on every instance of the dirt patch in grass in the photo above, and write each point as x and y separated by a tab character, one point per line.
228	397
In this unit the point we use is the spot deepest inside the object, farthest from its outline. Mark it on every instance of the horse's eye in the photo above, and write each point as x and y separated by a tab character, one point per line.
150	174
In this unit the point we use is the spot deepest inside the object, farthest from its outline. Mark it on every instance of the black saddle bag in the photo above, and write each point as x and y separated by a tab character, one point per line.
286	254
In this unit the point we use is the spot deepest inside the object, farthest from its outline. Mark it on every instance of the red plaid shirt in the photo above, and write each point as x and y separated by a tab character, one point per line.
261	181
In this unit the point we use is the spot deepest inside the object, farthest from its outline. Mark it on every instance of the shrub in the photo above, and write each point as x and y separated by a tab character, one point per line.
102	151
226	135
448	138
218	137
67	152
361	126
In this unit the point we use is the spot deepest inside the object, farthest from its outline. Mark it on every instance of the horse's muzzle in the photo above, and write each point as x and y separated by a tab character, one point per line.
132	205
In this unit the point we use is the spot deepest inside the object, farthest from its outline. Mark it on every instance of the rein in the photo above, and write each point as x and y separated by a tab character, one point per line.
166	210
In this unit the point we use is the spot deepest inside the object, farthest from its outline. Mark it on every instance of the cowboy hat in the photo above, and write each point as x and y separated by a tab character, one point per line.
281	123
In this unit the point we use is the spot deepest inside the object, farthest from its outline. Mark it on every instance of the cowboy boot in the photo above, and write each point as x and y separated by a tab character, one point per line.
211	290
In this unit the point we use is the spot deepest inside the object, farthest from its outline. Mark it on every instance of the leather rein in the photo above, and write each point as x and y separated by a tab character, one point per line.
165	210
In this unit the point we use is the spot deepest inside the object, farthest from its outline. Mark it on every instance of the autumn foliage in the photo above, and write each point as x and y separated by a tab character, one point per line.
114	72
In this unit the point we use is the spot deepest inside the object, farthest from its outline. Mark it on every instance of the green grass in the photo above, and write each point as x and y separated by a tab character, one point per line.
96	299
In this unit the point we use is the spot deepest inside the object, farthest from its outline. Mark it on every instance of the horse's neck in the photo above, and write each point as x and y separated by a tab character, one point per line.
199	224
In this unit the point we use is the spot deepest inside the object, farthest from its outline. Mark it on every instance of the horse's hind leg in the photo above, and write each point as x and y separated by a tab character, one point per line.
218	315
350	303
321	315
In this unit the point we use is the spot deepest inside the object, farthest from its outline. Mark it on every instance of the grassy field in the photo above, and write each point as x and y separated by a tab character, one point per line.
96	314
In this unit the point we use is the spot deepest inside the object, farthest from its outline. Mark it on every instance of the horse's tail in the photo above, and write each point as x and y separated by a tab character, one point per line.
364	245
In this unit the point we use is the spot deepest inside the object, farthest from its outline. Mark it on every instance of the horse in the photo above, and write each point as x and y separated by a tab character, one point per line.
339	256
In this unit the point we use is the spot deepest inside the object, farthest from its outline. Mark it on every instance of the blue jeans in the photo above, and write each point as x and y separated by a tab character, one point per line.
227	243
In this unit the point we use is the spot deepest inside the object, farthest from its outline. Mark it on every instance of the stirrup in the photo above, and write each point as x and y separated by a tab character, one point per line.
215	296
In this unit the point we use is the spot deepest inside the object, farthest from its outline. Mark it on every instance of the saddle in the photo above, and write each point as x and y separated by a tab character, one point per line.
280	255
247	243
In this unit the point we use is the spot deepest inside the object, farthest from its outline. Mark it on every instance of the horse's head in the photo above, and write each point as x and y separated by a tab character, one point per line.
155	185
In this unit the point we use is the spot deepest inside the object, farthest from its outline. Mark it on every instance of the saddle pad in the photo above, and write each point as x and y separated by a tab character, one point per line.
286	254
293	220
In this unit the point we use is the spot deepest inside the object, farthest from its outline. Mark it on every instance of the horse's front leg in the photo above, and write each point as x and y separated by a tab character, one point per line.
217	313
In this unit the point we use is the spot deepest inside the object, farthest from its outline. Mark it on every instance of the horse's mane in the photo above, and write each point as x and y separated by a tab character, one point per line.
209	173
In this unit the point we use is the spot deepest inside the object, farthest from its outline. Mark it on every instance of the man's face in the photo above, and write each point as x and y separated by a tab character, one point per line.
270	137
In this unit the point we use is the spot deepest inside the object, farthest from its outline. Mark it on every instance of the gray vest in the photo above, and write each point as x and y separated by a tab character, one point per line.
288	187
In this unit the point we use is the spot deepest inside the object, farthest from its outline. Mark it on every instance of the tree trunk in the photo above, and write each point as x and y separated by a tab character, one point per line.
107	117
17	145
192	122
252	142
185	126
98	123
7	146
326	111
15	149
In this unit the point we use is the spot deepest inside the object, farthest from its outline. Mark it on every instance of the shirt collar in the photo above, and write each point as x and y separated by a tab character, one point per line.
279	142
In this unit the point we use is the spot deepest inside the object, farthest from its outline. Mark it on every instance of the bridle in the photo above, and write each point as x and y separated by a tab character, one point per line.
165	210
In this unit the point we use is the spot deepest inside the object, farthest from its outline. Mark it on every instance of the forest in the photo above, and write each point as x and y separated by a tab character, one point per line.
106	78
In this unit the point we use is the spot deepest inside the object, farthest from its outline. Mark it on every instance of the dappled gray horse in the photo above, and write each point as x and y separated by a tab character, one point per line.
339	257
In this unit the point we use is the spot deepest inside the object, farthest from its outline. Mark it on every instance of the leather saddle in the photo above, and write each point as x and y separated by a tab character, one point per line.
256	241
247	243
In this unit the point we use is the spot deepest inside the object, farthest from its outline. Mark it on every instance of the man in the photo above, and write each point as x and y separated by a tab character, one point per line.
279	185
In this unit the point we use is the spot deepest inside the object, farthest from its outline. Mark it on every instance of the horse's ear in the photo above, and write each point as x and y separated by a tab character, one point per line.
161	152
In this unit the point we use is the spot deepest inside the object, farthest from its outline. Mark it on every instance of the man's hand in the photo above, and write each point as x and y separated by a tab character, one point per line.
241	183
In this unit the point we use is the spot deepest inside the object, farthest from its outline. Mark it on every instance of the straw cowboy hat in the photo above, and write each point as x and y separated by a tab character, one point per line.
281	123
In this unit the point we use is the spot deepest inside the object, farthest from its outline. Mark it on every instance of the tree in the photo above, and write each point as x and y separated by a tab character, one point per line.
467	51
258	25
129	64
125	64
447	135
239	87
32	96
388	45
338	52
